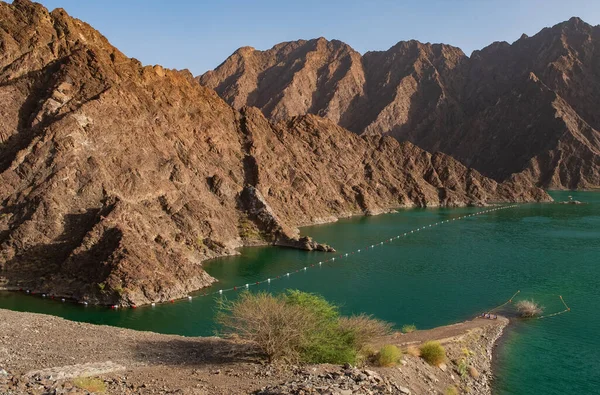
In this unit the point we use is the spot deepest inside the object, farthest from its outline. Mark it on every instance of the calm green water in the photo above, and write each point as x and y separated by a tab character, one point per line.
439	276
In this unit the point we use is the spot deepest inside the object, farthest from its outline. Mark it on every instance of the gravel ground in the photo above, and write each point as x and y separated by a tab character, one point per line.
41	354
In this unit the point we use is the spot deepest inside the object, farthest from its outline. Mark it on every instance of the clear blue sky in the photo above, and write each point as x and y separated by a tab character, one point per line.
199	35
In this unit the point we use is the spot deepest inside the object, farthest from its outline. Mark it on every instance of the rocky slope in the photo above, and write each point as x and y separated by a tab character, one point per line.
118	180
41	354
528	108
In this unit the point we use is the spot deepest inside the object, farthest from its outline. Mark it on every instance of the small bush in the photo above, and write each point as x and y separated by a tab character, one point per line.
364	329
433	353
528	308
90	384
327	342
451	390
277	329
463	367
389	355
298	327
409	328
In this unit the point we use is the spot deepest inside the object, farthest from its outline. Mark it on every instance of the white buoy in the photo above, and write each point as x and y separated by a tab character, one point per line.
287	274
304	268
346	254
268	280
62	300
358	250
247	286
332	259
221	291
153	304
189	297
43	295
85	303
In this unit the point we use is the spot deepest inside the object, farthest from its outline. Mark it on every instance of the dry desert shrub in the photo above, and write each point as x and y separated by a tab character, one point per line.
278	330
528	308
365	329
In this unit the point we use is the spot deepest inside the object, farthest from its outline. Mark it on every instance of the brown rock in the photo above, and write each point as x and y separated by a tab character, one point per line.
117	180
526	111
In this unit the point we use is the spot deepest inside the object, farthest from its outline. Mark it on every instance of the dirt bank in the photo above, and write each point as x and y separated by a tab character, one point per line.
41	353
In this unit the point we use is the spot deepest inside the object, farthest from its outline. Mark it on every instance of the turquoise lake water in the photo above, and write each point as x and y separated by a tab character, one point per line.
438	276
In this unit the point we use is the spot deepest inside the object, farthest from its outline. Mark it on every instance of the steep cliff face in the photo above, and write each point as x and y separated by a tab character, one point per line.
117	180
524	108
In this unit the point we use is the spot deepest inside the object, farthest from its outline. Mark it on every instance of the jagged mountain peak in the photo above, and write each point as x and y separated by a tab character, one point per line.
118	180
496	111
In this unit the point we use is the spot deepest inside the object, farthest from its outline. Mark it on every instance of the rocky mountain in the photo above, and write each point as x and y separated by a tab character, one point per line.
527	108
118	180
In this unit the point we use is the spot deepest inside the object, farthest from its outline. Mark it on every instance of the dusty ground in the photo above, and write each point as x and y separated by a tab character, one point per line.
148	363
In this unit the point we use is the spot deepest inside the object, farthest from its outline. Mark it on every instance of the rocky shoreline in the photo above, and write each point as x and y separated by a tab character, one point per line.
42	354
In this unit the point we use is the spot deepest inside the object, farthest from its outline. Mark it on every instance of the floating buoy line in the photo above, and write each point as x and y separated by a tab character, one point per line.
348	254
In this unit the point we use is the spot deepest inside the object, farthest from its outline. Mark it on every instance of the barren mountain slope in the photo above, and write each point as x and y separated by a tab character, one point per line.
117	180
529	107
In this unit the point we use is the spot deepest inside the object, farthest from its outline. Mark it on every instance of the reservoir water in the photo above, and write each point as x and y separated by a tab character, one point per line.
438	276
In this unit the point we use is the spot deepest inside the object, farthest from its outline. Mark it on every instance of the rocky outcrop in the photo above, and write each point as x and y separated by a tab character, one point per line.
117	180
526	108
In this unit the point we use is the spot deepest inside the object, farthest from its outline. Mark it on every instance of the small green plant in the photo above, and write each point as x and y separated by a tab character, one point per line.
200	242
433	353
409	328
389	355
466	352
248	230
451	390
101	286
90	384
463	367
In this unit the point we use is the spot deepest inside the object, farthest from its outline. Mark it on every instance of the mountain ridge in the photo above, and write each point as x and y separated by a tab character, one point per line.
117	180
439	98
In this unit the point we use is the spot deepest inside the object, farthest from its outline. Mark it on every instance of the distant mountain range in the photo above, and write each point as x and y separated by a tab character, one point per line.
529	108
117	180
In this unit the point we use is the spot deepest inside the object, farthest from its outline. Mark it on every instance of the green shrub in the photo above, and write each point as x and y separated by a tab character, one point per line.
389	355
433	353
277	329
409	328
90	384
327	342
248	230
463	367
298	326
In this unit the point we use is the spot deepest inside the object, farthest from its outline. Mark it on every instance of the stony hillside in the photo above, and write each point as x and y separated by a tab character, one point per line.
118	180
528	108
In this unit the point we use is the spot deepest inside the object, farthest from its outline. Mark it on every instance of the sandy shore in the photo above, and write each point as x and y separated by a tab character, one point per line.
40	353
